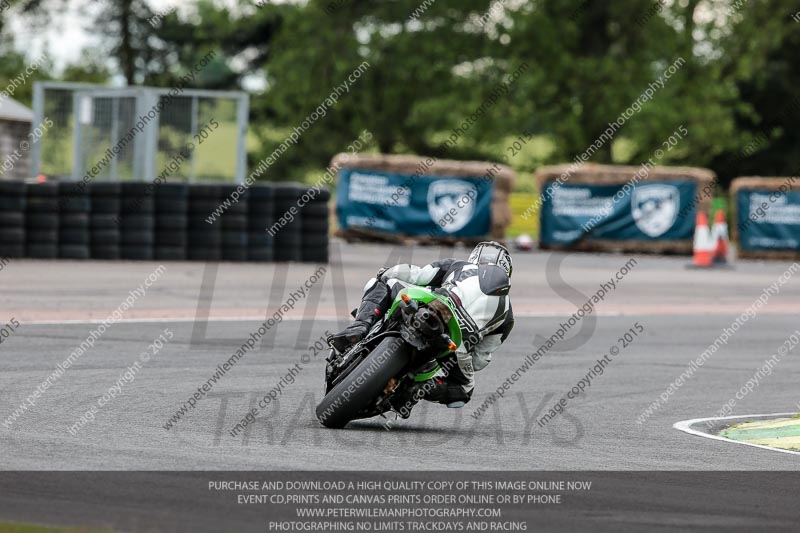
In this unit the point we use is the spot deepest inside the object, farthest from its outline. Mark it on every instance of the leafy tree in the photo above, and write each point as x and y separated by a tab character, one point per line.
761	56
240	40
420	75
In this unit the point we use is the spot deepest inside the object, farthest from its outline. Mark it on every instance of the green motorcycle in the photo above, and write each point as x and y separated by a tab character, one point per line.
407	346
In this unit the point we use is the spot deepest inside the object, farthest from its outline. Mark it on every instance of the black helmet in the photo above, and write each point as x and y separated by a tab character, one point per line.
491	253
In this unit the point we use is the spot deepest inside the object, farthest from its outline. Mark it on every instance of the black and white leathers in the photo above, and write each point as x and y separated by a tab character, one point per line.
485	319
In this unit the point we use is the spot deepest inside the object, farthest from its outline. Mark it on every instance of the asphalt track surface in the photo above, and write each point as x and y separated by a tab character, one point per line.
682	312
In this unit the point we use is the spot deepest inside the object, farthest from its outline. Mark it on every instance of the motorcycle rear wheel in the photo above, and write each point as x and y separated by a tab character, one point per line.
358	390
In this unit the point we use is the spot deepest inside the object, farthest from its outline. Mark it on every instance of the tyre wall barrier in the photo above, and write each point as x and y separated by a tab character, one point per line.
42	220
13	225
171	222
105	223
165	222
73	222
261	216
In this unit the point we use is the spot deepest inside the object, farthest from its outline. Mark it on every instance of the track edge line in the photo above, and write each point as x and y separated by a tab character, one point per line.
685	426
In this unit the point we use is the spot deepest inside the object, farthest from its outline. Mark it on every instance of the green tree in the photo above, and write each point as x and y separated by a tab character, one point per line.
424	75
761	56
182	43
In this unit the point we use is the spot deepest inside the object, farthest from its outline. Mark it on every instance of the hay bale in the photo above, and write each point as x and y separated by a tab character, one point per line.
594	174
503	180
770	255
504	177
759	183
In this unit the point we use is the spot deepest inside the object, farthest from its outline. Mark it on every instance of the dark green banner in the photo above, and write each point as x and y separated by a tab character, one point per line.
649	212
768	220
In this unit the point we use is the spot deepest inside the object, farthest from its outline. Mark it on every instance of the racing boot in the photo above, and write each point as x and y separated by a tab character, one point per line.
438	390
374	303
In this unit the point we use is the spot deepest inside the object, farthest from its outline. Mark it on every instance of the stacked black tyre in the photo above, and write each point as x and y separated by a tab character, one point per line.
289	229
205	240
137	237
42	221
105	221
261	245
12	219
73	229
172	209
315	216
235	224
167	222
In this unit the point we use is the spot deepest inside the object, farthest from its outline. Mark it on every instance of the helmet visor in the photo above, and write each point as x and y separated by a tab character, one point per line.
488	255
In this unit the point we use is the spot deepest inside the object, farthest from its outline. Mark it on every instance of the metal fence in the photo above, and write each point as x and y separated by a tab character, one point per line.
139	133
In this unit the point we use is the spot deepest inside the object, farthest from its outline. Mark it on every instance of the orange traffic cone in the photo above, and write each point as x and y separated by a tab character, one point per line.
719	233
704	245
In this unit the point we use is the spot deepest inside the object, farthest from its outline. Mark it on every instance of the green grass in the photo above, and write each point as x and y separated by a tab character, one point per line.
214	158
720	202
520	202
24	528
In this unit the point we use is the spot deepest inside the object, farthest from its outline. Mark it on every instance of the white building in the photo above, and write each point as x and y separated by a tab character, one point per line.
15	125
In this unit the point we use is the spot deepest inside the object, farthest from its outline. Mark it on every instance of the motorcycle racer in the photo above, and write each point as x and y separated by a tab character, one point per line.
479	289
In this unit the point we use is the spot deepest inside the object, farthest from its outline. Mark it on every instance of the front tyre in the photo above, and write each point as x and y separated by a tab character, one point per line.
364	384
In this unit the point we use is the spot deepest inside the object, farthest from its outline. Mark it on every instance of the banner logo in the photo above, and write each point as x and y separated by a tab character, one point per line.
444	198
655	208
